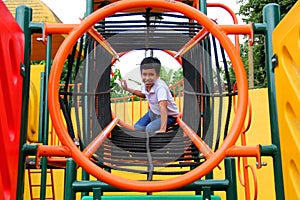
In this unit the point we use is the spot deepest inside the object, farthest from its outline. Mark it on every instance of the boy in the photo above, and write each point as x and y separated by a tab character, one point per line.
163	109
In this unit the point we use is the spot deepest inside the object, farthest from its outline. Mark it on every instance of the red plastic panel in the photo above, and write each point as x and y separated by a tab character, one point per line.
11	57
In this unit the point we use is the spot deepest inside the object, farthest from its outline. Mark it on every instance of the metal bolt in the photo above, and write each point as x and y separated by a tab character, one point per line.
76	141
274	61
262	164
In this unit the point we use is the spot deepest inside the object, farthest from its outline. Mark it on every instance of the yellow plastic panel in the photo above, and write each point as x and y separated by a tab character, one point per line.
34	102
286	42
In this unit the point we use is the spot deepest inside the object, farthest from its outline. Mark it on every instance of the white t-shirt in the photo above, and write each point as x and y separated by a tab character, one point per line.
157	93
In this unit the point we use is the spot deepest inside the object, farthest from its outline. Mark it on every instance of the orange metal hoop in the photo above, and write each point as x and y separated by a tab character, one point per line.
147	186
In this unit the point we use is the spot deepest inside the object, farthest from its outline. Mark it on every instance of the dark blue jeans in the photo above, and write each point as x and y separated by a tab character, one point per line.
150	122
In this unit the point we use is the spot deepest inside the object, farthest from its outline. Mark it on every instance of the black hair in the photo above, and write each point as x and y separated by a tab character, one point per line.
151	63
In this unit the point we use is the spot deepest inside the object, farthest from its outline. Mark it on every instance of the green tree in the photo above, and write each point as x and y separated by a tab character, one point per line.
172	76
116	89
251	11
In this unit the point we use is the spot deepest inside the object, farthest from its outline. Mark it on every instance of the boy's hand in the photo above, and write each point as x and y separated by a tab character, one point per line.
160	131
124	85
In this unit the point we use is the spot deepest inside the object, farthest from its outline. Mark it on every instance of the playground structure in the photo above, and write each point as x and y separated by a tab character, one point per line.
209	136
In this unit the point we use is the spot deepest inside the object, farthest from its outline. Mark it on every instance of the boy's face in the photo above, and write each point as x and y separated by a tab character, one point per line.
149	76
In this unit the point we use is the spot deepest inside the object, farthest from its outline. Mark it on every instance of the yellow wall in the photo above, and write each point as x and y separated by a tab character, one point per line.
259	133
34	102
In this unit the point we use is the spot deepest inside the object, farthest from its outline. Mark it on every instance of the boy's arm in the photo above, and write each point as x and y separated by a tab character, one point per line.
137	93
163	116
134	92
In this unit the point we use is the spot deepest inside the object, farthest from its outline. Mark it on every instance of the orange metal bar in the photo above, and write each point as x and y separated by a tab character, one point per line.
225	7
172	53
245	170
234	18
122	123
244	151
196	4
115	106
245	182
58	28
254	181
141	107
246	29
57	162
67	28
46	150
120	54
96	143
192	42
200	144
60	151
101	40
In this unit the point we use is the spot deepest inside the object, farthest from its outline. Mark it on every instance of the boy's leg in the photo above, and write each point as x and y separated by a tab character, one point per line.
155	124
171	121
141	124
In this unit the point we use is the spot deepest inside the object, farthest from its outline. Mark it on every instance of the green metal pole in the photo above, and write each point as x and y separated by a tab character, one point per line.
43	178
23	17
87	186
86	177
268	150
45	118
89	7
97	193
271	17
203	7
46	80
42	109
230	174
39	28
70	177
207	70
86	99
